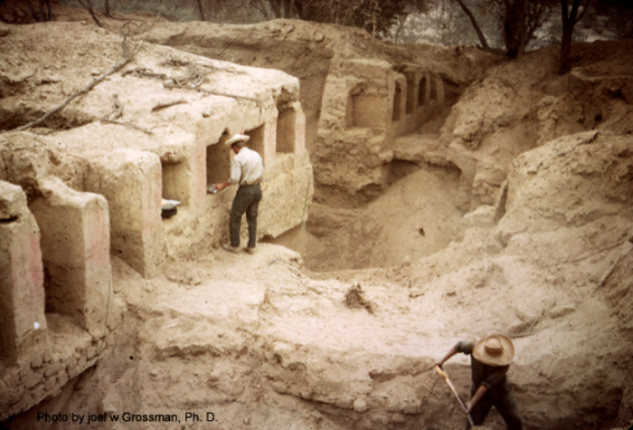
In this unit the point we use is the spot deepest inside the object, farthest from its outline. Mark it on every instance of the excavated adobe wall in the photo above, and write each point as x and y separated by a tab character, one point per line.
358	93
178	128
87	184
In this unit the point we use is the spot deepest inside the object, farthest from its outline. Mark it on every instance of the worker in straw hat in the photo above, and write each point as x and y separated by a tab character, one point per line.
247	170
490	360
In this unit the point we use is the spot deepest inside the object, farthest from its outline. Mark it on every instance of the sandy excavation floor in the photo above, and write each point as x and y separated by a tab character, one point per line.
281	340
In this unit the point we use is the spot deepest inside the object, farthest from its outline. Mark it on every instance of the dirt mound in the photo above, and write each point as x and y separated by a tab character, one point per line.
417	217
523	104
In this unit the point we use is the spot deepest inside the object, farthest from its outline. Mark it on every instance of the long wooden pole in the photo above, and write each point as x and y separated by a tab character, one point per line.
445	377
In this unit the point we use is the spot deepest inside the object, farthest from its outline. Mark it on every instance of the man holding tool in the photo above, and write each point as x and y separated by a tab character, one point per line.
490	360
247	170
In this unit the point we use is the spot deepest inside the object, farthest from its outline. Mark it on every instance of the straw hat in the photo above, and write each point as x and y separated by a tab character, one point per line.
237	139
494	350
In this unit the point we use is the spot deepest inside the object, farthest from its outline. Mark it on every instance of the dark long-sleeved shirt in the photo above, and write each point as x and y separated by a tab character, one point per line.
491	377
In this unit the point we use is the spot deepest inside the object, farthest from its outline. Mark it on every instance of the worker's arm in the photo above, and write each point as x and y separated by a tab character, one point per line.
223	185
478	395
448	355
236	172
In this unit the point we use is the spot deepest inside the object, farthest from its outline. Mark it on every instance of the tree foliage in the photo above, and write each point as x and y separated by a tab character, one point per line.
516	20
375	16
372	15
87	4
619	16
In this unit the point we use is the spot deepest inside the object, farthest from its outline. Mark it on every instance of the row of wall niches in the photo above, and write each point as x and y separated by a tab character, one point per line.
369	111
218	156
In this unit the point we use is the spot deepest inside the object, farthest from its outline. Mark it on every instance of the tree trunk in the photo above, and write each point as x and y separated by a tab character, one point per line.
569	18
399	26
33	14
200	10
88	6
299	6
288	6
276	7
42	12
211	6
565	43
515	30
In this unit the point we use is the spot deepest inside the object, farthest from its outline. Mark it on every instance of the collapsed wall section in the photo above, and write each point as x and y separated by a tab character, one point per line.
522	105
40	350
75	243
22	321
367	104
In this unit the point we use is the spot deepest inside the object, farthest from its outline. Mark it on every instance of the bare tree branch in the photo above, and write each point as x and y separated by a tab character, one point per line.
127	124
584	10
117	109
480	34
88	6
235	96
168	104
261	5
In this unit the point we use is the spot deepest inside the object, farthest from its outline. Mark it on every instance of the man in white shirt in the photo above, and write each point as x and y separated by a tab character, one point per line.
247	170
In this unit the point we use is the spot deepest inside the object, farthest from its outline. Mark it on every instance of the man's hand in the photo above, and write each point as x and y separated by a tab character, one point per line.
481	391
448	355
222	186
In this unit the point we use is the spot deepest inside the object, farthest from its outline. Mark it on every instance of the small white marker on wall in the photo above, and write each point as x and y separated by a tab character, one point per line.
36	325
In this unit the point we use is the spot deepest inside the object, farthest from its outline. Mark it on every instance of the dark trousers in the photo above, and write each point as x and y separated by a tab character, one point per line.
246	201
501	398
